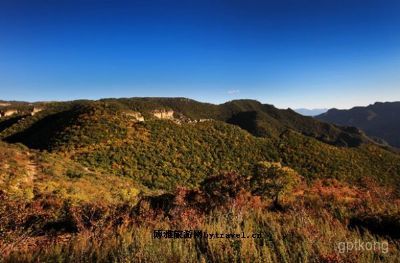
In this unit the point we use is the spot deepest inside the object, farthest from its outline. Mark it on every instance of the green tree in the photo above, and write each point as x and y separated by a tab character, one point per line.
273	180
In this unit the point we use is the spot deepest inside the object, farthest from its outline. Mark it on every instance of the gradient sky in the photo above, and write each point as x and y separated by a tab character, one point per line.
299	53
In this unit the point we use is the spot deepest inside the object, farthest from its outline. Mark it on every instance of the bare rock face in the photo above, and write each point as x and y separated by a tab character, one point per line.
3	104
137	116
10	112
164	114
36	110
6	113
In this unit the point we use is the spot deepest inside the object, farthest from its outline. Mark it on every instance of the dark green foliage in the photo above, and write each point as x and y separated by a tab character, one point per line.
259	119
313	160
162	154
257	123
58	126
74	174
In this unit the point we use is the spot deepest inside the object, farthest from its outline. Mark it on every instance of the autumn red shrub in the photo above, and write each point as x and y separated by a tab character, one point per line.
188	207
223	188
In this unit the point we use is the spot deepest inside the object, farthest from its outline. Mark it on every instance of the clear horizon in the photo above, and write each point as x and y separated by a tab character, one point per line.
298	54
202	101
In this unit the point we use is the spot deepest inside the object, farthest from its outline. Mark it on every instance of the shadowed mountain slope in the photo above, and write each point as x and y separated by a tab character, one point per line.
380	120
261	119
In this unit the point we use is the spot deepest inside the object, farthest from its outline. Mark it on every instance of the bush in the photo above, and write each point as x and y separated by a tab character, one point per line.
273	180
74	174
222	188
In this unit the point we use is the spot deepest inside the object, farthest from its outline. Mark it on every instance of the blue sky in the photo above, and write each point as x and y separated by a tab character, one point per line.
290	53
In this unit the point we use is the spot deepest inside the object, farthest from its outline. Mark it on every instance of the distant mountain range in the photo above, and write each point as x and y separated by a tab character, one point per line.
310	112
380	121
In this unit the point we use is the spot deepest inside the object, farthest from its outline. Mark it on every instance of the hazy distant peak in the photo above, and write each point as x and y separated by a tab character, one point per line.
310	112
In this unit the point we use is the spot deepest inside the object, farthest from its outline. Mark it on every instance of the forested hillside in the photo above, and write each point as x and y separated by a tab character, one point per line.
160	153
114	169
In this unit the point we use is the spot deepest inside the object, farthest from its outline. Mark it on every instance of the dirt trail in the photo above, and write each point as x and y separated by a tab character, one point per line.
31	169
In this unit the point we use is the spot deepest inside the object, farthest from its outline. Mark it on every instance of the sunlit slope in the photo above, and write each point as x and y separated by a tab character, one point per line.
162	154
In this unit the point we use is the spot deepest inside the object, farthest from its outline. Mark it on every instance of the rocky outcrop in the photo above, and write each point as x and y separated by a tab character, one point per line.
137	116
25	112
163	114
36	110
204	120
6	113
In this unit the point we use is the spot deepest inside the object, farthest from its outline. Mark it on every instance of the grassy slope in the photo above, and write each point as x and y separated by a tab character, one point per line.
27	174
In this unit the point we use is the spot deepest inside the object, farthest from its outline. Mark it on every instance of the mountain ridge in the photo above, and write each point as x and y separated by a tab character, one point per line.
194	138
379	120
267	120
